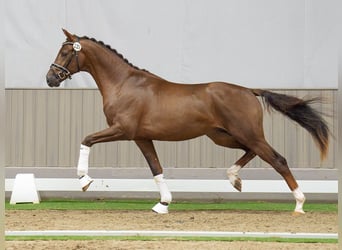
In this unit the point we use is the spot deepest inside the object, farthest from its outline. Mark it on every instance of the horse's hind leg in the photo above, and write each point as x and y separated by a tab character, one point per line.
278	162
222	138
233	171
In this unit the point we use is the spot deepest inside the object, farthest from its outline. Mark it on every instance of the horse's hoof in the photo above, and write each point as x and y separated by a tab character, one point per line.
298	212
238	184
235	180
85	181
161	208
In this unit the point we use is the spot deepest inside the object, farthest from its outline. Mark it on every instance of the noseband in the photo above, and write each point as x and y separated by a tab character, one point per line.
64	72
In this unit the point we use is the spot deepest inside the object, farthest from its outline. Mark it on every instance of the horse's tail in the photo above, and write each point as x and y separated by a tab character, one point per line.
300	111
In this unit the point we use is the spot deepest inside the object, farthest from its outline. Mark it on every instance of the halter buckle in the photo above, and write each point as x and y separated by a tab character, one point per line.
63	72
63	75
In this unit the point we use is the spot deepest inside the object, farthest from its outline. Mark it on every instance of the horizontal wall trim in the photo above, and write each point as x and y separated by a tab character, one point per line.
173	173
208	186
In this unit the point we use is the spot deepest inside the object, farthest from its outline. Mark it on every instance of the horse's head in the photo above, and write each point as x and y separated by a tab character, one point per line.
67	61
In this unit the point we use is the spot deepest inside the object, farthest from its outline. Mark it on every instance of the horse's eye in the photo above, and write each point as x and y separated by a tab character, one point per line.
64	53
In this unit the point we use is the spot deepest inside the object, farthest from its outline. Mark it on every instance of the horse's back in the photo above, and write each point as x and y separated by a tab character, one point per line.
209	98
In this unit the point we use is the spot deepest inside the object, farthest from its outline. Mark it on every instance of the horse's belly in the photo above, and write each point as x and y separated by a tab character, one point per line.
172	132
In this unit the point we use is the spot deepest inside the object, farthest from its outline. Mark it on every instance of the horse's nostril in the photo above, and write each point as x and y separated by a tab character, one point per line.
48	81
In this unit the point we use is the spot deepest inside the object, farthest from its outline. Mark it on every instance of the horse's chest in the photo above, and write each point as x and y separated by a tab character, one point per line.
123	113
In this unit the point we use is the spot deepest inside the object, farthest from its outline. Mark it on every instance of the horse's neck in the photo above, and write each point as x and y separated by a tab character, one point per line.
107	69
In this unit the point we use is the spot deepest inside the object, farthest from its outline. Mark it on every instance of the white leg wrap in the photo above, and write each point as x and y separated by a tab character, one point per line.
82	166
300	199
85	182
232	173
165	195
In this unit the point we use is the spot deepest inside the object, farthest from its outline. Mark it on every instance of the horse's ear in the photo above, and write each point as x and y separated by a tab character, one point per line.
69	36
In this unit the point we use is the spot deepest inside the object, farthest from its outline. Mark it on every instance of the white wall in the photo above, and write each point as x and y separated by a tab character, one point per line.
256	43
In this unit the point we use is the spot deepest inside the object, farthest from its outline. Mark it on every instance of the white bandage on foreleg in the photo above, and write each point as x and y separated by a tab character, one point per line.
165	195
82	166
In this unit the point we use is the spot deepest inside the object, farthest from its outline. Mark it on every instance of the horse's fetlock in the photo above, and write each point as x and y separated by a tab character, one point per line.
87	141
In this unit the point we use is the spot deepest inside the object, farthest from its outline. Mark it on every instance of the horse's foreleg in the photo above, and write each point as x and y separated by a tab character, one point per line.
82	167
149	152
165	195
233	171
109	134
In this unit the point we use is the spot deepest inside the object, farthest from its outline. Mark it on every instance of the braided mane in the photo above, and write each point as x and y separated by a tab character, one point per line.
114	51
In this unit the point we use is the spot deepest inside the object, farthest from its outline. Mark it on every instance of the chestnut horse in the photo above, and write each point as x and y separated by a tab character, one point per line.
143	107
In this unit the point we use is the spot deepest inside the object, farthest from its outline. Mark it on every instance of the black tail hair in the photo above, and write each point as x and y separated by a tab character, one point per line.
300	111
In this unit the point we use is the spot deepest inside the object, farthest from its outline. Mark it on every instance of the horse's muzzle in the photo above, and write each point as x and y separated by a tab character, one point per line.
52	80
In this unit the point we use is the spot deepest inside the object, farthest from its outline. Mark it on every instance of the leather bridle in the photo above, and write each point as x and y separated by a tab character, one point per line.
64	72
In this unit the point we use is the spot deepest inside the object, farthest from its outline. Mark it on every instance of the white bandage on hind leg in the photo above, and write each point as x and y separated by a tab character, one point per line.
82	166
232	173
165	195
300	199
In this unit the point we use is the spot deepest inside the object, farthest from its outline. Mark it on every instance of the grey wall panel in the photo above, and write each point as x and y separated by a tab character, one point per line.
45	128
